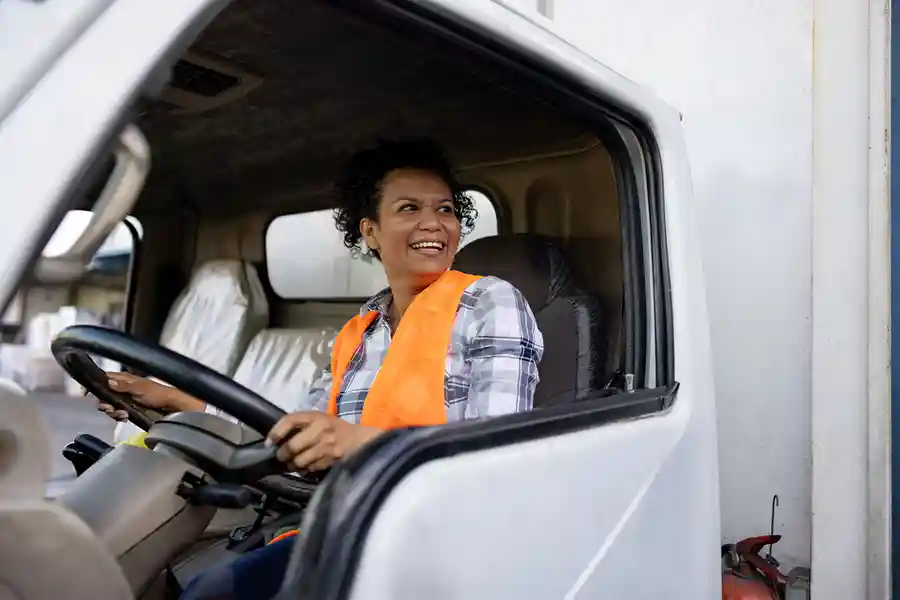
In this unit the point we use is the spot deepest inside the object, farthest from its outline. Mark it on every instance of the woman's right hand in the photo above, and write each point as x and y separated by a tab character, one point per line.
144	392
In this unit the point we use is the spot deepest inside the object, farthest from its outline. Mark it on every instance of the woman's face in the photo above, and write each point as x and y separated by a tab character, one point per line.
417	232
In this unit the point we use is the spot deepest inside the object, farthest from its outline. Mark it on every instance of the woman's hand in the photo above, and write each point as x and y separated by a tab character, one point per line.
147	393
322	441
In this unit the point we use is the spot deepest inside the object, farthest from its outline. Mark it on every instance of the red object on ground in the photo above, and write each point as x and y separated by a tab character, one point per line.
749	576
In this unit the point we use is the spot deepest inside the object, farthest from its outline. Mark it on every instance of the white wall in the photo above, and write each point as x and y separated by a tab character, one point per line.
740	71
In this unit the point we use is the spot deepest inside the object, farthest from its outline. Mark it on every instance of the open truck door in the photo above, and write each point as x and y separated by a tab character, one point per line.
606	497
612	495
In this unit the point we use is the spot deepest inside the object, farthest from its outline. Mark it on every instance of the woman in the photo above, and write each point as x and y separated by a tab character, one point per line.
437	346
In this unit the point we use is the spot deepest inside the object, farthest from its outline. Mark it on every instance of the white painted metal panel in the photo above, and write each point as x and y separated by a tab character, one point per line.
741	74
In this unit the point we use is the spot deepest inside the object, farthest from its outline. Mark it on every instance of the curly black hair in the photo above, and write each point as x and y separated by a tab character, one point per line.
359	184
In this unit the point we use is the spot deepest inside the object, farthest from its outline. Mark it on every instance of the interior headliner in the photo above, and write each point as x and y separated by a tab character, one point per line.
332	83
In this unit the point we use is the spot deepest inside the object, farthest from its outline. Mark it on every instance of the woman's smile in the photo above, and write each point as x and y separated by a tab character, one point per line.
429	247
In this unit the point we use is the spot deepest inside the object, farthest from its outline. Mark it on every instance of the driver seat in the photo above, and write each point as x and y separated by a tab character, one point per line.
46	552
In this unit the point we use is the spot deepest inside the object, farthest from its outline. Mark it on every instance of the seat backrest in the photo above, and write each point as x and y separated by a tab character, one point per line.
281	364
213	320
218	313
570	320
46	552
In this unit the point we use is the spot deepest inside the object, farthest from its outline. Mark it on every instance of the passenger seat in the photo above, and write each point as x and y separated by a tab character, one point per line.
281	364
214	319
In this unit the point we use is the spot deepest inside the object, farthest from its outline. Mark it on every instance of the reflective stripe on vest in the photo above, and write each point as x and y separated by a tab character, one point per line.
409	387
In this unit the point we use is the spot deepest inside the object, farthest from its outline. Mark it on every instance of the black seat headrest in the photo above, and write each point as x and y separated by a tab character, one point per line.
533	264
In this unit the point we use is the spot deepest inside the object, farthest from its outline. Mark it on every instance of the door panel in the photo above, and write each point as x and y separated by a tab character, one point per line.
568	502
34	35
538	519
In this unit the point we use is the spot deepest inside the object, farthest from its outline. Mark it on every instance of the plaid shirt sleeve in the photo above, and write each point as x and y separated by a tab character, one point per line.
504	347
319	393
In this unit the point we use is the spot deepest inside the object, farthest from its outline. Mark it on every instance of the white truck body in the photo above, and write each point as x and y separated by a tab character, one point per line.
786	115
786	130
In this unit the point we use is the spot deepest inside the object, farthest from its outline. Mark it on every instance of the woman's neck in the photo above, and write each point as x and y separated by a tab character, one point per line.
400	300
402	296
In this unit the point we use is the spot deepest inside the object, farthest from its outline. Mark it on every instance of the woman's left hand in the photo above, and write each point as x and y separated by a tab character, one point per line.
322	441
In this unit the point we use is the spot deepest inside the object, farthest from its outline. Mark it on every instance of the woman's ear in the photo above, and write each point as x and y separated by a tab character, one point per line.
368	227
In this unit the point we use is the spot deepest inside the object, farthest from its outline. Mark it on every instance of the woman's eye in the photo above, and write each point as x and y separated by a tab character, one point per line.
408	207
446	209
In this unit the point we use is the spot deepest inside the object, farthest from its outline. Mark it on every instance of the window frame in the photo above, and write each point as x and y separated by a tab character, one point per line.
327	565
134	271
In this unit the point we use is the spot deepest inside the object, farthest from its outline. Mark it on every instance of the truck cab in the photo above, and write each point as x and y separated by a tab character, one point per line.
219	127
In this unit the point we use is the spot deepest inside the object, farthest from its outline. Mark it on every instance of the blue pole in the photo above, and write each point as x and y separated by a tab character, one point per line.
895	297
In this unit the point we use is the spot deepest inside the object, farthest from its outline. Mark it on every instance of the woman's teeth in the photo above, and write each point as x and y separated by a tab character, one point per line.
421	245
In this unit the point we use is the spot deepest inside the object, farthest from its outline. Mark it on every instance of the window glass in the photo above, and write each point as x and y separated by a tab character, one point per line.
306	257
74	223
486	222
48	303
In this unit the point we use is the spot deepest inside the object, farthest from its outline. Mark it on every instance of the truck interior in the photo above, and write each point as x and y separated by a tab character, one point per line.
246	140
225	180
239	266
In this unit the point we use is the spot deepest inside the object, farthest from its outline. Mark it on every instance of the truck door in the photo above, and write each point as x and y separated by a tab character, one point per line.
72	72
612	497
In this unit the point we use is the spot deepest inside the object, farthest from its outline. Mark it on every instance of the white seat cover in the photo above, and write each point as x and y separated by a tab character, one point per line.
217	315
281	364
223	307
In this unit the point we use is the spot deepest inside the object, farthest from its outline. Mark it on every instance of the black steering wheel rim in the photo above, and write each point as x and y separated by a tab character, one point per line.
72	346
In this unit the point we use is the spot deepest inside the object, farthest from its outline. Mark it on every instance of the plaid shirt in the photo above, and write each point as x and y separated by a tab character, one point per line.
492	361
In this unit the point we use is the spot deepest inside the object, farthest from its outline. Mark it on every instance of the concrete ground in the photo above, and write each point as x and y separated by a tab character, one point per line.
66	417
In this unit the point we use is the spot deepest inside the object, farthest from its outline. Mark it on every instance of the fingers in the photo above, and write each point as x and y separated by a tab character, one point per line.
297	420
118	415
317	458
123	382
321	440
303	441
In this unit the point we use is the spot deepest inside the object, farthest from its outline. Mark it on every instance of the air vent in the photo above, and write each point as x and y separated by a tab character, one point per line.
194	79
201	82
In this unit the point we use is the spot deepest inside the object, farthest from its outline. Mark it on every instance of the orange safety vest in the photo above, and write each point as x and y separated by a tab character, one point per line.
409	387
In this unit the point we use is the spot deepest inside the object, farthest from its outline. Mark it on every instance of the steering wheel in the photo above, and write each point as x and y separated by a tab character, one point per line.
248	462
85	371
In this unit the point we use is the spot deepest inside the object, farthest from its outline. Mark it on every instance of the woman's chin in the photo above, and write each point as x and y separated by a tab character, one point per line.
427	273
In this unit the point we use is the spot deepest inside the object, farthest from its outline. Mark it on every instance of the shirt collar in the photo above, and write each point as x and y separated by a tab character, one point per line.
378	303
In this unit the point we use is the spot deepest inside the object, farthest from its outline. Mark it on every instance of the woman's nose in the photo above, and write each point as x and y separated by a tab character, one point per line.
429	219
